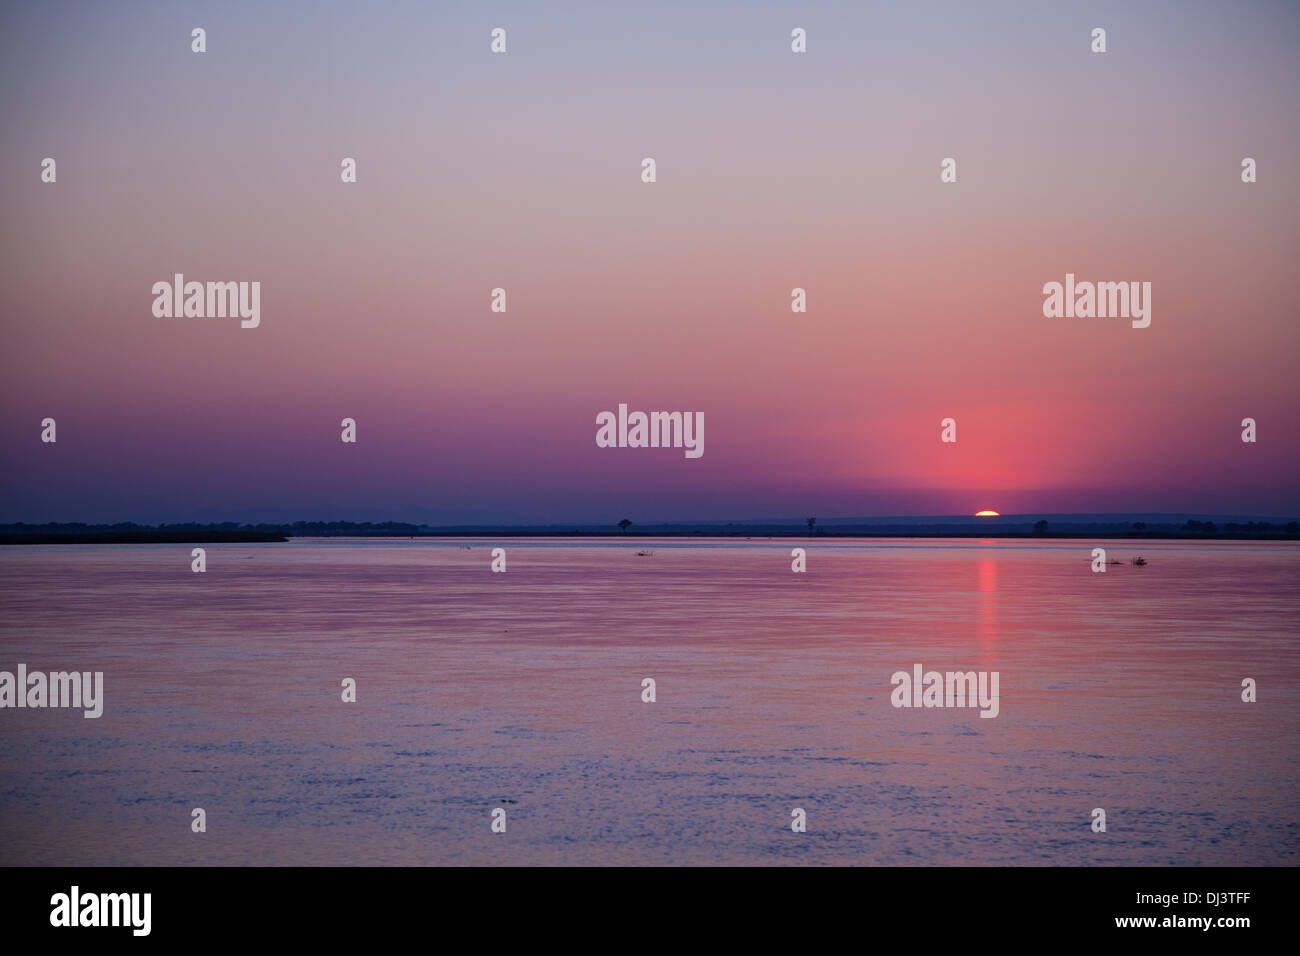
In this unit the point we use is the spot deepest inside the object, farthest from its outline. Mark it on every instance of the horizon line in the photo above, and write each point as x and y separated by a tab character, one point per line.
1074	517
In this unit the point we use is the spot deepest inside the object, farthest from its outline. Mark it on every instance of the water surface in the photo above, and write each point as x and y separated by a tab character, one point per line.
523	690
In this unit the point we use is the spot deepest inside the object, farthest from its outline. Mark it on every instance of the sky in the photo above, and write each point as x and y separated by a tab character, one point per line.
522	171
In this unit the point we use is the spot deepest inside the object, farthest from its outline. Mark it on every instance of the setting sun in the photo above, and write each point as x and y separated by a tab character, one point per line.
987	514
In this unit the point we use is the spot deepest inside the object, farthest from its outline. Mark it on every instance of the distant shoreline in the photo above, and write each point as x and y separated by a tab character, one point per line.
146	537
249	537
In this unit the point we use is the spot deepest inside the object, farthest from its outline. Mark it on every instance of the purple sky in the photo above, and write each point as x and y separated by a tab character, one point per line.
775	170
